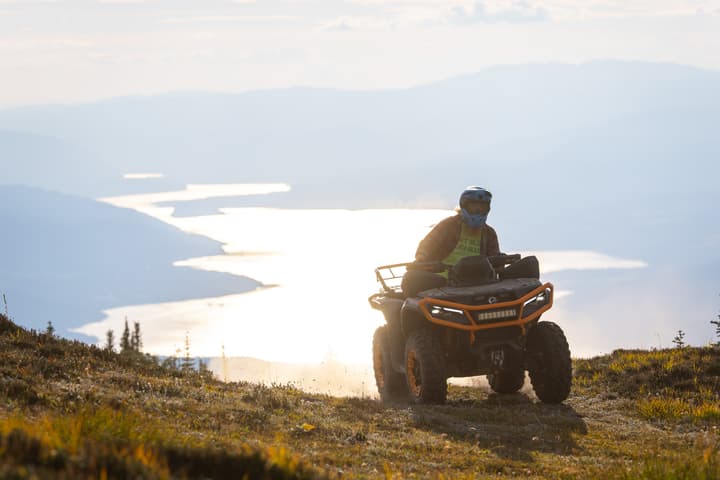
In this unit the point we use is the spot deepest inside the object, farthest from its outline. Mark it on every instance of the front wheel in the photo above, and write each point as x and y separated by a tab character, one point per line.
425	368
390	384
549	363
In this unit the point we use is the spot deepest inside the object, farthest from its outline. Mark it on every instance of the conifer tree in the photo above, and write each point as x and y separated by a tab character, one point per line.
132	341
224	365
125	339
187	363
203	369
110	341
717	330
50	330
7	313
136	340
679	339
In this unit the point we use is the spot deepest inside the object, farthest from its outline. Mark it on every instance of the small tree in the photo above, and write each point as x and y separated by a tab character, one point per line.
110	341
7	312
203	369
679	339
50	330
125	339
717	330
224	365
187	363
170	362
136	340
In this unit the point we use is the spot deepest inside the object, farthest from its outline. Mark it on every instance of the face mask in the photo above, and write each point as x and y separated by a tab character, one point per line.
473	221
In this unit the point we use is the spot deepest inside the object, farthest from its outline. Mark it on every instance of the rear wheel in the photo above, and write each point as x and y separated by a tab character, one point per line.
425	368
508	380
390	384
549	363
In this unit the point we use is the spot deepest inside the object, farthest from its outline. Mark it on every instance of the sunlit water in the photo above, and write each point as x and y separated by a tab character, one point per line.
317	268
142	176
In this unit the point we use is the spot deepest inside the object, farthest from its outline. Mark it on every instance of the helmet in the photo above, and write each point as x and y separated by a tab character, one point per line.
475	206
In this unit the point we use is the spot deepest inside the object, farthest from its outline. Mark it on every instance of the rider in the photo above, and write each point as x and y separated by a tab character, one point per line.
462	235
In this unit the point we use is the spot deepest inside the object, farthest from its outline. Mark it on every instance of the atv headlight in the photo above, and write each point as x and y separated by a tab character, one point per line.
497	314
539	300
449	315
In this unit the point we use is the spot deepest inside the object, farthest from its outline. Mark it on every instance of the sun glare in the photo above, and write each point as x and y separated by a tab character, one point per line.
142	176
317	270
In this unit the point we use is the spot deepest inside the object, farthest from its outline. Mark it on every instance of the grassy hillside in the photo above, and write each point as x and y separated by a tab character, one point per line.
68	410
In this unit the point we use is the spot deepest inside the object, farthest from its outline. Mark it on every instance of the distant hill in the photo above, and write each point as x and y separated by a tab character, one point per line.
51	163
617	139
512	127
67	259
47	162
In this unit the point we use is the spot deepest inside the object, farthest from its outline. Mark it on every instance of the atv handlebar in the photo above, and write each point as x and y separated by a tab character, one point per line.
503	259
433	267
386	273
497	261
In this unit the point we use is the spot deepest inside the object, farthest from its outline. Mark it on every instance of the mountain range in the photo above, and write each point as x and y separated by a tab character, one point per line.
616	157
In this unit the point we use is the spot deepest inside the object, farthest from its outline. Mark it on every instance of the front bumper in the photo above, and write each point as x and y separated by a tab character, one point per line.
473	318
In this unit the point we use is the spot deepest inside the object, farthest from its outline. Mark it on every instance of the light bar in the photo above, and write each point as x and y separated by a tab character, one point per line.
497	314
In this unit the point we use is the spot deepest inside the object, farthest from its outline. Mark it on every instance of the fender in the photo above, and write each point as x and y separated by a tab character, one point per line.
412	317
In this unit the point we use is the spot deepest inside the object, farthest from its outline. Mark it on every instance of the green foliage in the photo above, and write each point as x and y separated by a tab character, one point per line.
110	341
664	408
170	363
705	465
7	326
50	329
125	339
7	314
679	340
105	443
674	385
130	343
187	363
637	373
136	339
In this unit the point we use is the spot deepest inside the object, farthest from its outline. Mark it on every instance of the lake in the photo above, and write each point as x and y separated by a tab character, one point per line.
317	270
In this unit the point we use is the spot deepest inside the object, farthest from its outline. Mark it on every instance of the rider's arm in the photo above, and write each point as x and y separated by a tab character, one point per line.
492	246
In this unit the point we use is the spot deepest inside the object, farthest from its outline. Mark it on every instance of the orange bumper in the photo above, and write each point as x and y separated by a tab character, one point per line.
473	312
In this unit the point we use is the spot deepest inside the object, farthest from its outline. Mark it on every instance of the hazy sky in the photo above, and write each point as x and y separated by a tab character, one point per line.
71	50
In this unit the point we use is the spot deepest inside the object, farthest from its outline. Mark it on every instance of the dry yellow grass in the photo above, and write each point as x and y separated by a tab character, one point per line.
70	410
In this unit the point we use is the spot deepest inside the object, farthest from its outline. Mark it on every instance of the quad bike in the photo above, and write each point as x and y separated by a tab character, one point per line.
485	321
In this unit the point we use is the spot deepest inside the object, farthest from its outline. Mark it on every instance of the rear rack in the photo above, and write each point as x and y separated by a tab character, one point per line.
390	276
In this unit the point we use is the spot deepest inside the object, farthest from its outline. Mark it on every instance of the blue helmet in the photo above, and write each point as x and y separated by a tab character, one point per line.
474	219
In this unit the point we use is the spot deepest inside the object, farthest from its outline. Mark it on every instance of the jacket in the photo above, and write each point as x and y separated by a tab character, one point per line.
443	238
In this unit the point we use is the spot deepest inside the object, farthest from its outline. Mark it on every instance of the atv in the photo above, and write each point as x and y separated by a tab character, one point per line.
483	319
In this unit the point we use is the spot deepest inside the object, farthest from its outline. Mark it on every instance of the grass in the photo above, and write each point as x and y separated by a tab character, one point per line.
68	410
677	385
704	466
664	408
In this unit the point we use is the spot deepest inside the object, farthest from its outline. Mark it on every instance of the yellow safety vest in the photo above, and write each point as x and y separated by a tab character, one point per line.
469	244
